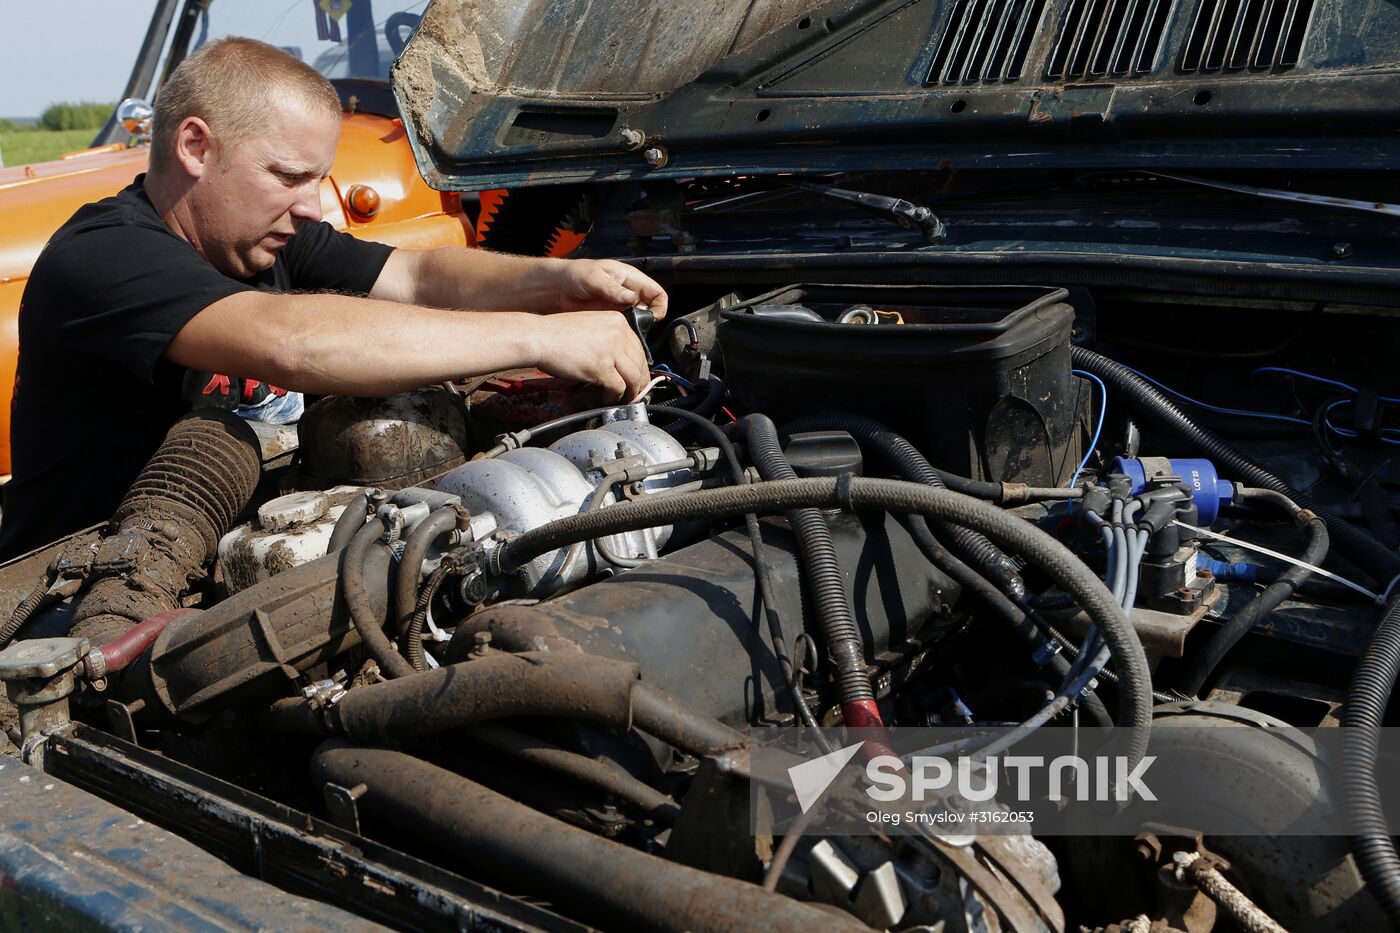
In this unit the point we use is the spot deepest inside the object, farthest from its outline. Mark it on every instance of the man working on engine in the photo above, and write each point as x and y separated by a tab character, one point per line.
216	260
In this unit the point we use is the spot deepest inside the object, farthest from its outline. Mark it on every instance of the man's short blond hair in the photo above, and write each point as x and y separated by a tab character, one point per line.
232	84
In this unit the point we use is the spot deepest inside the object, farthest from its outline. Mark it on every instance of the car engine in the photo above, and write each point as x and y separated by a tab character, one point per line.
487	632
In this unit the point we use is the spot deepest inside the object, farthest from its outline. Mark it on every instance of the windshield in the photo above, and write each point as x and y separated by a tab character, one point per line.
339	38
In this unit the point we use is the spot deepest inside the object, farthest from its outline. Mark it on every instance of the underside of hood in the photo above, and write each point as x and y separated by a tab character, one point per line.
546	91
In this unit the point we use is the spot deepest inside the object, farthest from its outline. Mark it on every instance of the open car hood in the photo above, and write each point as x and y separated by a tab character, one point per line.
518	94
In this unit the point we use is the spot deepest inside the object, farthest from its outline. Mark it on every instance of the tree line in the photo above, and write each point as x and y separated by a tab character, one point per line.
65	116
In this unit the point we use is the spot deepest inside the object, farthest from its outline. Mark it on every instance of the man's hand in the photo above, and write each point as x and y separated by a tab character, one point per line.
592	284
595	347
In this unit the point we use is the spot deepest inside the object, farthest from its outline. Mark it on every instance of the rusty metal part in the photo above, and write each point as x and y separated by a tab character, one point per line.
40	674
168	526
1014	493
1204	874
239	836
390	442
597	879
1022	915
1182	905
1164	634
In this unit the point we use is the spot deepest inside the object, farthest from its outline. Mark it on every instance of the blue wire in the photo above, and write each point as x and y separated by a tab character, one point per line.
1098	429
663	368
1240	412
1331	382
1348	432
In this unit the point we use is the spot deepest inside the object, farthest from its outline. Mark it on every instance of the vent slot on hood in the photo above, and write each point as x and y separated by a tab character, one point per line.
985	40
1101	38
1235	35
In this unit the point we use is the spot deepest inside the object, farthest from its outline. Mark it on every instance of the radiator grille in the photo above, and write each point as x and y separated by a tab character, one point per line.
985	41
1238	35
1102	38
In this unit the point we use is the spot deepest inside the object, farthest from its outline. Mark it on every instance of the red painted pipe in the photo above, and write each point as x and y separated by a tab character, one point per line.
130	646
863	717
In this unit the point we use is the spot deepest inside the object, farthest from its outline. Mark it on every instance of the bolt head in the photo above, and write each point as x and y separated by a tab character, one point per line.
655	156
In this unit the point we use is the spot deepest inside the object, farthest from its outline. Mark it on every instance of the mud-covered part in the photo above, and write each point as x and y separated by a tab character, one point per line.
253	644
202	475
167	527
391	442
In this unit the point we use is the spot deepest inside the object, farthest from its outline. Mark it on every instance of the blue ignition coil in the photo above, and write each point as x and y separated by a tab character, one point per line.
1208	491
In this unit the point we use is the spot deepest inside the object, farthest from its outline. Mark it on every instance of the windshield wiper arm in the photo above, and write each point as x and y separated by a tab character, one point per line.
905	213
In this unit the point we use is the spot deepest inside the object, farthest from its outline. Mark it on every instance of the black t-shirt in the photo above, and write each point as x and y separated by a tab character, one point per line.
93	397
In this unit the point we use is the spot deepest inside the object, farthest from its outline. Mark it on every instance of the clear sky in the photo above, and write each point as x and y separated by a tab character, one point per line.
67	50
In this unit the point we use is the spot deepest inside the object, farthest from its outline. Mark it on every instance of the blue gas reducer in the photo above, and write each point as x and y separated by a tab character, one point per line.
1208	490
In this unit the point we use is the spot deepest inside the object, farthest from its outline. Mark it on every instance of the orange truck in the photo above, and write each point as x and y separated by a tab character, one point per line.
374	189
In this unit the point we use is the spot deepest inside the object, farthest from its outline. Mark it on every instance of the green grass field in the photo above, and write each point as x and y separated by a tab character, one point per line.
41	145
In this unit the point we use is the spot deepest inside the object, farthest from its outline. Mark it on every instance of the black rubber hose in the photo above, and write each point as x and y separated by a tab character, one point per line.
602	773
1357	546
500	686
980	587
1204	662
762	571
821	569
856	493
352	586
415	550
349	522
1362	718
26	609
584	876
413	632
912	465
708	404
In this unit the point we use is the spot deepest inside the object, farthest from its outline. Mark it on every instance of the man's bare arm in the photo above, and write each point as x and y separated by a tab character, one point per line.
335	344
456	277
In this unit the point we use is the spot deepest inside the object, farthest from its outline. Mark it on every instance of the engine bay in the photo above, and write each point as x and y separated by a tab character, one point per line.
519	638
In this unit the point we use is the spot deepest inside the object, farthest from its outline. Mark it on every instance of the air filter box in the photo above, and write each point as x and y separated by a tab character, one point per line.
978	378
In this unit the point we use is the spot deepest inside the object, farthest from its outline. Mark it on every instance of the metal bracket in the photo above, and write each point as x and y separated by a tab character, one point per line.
120	718
341	802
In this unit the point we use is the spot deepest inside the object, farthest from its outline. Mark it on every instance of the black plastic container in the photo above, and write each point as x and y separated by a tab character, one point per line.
977	377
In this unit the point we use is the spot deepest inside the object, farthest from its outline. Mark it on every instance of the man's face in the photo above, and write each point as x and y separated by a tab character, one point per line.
258	191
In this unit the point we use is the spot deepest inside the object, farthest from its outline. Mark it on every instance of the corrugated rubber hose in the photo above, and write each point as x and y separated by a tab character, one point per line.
821	570
1360	548
1014	534
1362	718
